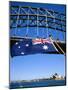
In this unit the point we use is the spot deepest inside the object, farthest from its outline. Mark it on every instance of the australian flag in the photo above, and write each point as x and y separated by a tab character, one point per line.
28	46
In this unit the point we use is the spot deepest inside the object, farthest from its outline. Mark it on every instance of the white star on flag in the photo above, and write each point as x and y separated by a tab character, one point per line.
45	47
27	45
22	53
16	43
19	47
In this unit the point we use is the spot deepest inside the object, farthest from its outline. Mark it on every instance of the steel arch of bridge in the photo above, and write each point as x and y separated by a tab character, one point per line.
26	17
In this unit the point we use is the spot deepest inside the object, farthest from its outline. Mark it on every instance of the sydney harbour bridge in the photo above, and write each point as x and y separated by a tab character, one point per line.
31	22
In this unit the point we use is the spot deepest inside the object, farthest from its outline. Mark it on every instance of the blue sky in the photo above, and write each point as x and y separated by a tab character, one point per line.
36	66
39	65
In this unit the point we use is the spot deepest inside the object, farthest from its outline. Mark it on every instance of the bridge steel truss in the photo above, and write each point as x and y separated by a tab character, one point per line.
21	17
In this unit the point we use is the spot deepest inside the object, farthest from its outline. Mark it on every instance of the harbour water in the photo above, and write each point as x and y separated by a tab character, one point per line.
46	83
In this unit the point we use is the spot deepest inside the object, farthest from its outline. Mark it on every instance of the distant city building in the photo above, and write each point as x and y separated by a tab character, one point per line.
57	77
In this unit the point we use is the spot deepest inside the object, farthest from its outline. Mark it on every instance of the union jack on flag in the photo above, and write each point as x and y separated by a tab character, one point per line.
41	41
